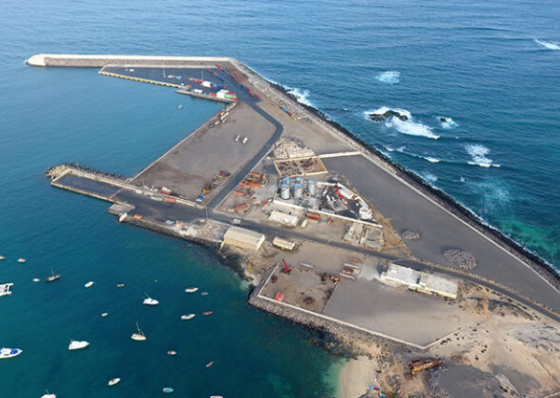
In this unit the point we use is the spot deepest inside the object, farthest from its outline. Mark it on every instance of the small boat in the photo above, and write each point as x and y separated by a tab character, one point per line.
150	301
77	345
120	285
48	395
140	336
5	289
207	313
114	381
187	317
52	278
2	257
191	289
180	107
21	260
204	294
209	364
216	396
89	284
104	314
167	390
9	352
171	352
36	280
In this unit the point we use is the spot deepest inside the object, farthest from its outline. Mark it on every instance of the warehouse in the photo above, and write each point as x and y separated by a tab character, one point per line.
243	238
283	218
283	244
419	281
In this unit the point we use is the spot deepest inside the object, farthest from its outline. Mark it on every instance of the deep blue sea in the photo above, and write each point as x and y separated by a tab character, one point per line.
491	68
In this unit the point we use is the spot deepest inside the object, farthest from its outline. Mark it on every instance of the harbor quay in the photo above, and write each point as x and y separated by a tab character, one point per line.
329	234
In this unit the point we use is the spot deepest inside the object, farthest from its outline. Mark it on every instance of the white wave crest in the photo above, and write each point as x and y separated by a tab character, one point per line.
550	45
389	77
430	177
446	122
302	95
409	127
478	154
431	160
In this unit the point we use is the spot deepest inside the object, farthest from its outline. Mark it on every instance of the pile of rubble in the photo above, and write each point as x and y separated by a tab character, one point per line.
460	258
290	148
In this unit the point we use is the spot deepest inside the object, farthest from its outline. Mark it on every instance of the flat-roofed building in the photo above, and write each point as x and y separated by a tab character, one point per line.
243	238
283	244
419	281
283	218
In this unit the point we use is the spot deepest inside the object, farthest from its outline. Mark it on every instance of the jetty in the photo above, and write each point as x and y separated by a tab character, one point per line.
266	168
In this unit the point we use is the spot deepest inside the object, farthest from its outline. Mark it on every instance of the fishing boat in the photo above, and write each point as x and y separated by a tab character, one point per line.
150	301
77	345
207	313
140	336
114	381
9	352
21	260
120	285
52	278
191	289
5	289
187	317
171	352
167	390
89	284
216	396
209	364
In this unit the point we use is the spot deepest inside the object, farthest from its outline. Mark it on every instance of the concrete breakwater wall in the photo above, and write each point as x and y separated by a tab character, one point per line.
99	61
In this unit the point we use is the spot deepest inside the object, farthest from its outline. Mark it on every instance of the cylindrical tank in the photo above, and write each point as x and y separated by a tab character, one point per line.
285	191
298	190
365	213
285	180
312	187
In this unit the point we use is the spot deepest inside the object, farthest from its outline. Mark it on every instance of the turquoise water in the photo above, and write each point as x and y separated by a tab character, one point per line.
493	67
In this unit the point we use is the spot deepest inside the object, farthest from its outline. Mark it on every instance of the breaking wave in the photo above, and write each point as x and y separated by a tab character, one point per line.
389	77
302	96
550	45
430	177
447	122
478	154
409	127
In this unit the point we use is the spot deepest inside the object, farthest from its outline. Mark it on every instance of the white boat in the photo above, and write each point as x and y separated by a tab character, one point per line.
5	289
104	314
168	390
191	289
36	280
9	352
187	317
2	257
21	260
89	284
150	301
77	345
114	381
47	395
140	336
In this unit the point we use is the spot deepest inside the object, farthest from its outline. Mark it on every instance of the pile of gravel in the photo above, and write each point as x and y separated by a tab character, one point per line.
460	258
409	234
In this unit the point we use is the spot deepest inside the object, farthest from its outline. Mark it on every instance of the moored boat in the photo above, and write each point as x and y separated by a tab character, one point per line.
171	352
140	336
48	395
191	289
9	352
5	289
53	277
114	381
120	285
21	260
150	301
187	317
77	345
209	364
89	284
2	257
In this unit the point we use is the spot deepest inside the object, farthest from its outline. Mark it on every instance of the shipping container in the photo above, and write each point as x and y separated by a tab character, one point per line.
239	207
170	200
138	216
313	216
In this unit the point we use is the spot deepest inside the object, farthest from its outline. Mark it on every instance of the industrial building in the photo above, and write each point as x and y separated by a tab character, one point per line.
283	218
283	244
419	281
243	238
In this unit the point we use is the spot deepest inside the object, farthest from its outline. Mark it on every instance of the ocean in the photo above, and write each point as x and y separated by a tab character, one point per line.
491	69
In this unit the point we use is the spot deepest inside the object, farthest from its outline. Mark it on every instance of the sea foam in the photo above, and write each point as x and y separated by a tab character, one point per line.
389	77
478	154
302	95
550	45
448	123
410	127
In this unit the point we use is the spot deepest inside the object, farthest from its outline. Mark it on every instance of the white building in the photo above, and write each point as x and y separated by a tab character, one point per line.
243	238
283	244
419	281
283	218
